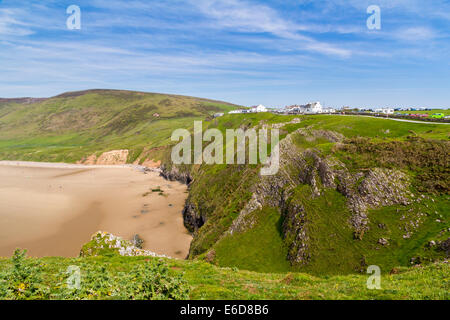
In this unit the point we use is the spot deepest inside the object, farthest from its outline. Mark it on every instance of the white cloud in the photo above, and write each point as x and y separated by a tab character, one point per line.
243	16
415	34
9	25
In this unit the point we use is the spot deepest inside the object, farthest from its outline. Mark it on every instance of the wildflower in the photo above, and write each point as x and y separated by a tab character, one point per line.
21	287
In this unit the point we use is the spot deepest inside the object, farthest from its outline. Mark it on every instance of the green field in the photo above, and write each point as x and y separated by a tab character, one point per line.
109	278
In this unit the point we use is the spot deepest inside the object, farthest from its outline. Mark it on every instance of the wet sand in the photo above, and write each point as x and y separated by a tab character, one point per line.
53	209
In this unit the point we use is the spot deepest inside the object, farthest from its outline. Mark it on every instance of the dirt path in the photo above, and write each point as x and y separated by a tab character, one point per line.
52	209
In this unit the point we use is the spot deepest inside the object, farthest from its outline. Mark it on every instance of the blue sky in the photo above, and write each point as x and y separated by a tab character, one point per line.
274	52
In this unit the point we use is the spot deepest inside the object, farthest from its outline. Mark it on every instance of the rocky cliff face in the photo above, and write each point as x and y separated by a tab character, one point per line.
192	217
302	163
173	173
114	157
363	190
296	234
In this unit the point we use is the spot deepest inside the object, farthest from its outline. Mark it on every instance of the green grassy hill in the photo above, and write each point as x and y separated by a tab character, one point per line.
351	192
356	151
71	126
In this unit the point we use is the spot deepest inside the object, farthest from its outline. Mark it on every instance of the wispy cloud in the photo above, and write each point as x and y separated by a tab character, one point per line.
277	50
244	16
9	25
415	34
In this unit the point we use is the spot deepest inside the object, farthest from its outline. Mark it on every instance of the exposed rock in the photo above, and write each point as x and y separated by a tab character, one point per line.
272	191
193	220
377	187
211	256
102	241
364	190
114	157
445	246
174	174
295	234
331	136
137	241
244	221
281	125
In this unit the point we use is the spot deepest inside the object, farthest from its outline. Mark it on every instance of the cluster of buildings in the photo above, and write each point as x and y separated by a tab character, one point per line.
378	110
392	110
317	108
310	108
254	109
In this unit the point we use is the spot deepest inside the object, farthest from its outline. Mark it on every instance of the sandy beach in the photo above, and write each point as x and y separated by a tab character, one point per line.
53	209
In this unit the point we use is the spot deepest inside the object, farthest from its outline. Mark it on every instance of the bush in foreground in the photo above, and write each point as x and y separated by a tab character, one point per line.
151	280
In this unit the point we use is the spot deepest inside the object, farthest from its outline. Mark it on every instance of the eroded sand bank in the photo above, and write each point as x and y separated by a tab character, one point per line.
52	209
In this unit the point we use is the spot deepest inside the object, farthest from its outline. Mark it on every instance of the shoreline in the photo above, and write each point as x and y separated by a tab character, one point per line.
52	209
61	165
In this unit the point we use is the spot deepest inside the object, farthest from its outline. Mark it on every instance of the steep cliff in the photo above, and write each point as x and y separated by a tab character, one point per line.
333	195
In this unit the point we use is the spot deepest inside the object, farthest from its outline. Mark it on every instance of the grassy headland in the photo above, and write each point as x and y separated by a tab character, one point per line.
351	192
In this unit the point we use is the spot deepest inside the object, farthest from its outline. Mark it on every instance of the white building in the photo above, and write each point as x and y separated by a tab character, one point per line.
310	108
385	110
329	110
258	109
314	107
236	111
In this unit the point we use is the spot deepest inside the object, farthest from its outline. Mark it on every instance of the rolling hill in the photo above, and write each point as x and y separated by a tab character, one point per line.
75	125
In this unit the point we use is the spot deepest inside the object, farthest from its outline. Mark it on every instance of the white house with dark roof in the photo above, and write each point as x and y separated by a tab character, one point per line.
258	109
314	107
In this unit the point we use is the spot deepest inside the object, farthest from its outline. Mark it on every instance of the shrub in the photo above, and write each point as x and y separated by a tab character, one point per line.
146	281
427	159
23	280
155	283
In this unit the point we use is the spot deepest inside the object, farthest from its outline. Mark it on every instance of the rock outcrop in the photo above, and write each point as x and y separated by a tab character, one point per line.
173	173
192	218
445	246
296	234
105	243
272	191
364	190
114	157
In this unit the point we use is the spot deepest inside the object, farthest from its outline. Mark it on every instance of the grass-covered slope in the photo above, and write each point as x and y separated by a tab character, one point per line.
117	277
75	125
351	191
358	191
